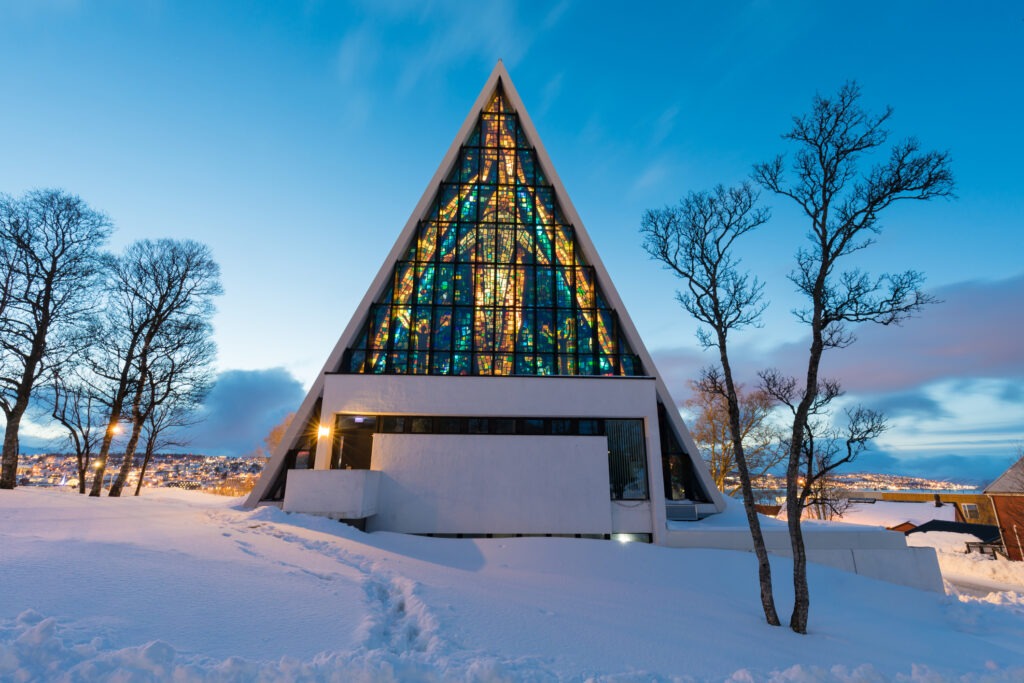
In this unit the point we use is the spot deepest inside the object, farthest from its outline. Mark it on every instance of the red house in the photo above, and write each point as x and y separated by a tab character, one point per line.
1007	495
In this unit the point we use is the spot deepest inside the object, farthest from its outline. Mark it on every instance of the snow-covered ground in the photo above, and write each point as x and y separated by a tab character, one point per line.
973	572
183	586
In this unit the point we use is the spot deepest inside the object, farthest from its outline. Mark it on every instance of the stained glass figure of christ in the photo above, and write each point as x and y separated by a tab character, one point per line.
494	282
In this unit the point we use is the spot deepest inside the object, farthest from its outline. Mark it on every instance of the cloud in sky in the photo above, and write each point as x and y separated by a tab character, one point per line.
975	332
242	408
949	381
910	404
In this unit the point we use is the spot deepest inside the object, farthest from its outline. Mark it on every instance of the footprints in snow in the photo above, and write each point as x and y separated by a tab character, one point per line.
398	621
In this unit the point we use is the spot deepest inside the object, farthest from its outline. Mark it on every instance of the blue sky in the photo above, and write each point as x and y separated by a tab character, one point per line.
295	139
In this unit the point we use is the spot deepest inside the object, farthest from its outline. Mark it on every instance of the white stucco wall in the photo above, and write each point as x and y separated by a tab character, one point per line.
477	484
485	396
631	516
341	494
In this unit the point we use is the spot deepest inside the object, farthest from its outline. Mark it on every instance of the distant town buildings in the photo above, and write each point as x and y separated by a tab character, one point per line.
214	473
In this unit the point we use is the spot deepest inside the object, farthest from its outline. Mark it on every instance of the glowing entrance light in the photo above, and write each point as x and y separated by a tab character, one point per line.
628	538
323	431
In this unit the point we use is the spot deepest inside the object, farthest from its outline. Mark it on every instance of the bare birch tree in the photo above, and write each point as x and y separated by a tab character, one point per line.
77	407
843	207
153	285
827	446
50	259
178	378
695	240
167	415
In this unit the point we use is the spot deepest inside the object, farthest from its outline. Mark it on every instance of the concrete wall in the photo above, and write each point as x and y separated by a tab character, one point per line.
341	494
877	553
631	516
597	397
490	396
478	484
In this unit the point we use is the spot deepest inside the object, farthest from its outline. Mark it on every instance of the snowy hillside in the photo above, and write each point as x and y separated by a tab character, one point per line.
185	586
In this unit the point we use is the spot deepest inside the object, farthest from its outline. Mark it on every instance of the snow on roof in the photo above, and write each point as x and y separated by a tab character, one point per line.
890	513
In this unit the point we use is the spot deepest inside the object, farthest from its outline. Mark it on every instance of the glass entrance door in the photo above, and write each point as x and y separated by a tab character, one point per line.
352	447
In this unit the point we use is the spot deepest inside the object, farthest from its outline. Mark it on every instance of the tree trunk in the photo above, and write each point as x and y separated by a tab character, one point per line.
9	463
83	467
801	592
101	459
764	567
8	476
145	464
126	464
794	508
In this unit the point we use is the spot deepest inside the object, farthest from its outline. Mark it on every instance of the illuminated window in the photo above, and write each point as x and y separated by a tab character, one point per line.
494	283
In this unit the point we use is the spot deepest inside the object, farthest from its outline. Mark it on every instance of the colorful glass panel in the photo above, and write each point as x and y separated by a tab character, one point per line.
493	283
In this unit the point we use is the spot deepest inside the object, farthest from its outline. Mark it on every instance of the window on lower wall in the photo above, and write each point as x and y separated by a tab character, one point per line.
543	426
627	459
681	482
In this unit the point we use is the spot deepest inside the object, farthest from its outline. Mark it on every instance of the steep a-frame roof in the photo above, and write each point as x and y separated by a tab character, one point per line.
595	312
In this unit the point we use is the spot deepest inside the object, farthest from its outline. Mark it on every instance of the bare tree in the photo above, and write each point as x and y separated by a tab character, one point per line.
50	256
169	411
178	379
711	431
76	406
695	240
8	263
827	446
155	286
843	207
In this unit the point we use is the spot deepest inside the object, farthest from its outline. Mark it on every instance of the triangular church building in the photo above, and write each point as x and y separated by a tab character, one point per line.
491	381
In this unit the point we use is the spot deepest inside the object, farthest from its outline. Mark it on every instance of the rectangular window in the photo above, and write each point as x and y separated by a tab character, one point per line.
970	510
531	426
421	425
449	425
562	426
627	459
502	425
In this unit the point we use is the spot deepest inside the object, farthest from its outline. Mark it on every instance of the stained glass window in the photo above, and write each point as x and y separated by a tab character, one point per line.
494	283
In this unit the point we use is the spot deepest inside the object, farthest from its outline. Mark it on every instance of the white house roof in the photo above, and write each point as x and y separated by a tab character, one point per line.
1011	481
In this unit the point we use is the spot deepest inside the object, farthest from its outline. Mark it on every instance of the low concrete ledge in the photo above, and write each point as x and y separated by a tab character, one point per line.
876	553
693	535
339	494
